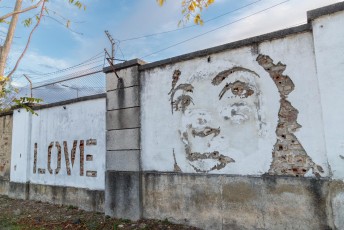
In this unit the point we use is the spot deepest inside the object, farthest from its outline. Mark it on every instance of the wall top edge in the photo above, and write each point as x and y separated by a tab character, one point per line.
233	45
264	176
124	65
2	114
326	10
72	101
60	103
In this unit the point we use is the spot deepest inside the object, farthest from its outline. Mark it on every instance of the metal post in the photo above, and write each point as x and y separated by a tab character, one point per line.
30	84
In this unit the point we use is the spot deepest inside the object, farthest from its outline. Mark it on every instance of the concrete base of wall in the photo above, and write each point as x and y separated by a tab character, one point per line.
18	190
89	200
4	187
123	199
237	202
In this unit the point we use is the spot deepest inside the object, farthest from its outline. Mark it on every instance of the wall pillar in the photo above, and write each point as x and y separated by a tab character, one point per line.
122	180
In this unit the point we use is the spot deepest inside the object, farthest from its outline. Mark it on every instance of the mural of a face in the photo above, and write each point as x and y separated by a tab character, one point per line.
220	114
221	121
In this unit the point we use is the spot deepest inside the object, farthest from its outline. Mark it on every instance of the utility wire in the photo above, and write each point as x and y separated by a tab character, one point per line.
72	67
97	60
78	74
186	27
69	74
48	78
217	28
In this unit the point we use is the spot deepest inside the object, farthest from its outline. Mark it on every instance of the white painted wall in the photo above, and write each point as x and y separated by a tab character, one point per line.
80	121
329	50
248	144
21	138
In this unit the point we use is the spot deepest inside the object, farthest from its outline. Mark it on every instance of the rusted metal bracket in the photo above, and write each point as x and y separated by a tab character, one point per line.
110	63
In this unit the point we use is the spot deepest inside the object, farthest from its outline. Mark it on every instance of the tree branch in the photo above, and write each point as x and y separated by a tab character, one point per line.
22	11
28	41
47	16
9	38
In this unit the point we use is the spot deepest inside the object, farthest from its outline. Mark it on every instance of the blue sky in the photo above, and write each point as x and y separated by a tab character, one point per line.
54	47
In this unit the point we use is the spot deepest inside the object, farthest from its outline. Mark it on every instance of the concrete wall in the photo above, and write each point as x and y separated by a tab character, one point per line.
247	135
61	147
329	51
5	151
227	202
242	136
236	134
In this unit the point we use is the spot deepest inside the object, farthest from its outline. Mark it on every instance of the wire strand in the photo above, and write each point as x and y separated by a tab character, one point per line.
217	28
186	27
72	67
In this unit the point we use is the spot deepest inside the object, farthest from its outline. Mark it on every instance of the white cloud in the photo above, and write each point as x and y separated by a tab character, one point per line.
283	16
35	63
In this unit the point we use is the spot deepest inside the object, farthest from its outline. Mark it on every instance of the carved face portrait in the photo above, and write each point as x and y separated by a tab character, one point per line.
220	115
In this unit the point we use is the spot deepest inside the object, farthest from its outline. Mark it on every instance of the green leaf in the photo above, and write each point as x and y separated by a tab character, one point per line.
78	4
27	22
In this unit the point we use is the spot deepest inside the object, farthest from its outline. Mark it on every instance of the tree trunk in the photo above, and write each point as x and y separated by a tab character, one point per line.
5	49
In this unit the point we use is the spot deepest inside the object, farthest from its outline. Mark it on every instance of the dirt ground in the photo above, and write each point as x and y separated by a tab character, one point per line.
24	214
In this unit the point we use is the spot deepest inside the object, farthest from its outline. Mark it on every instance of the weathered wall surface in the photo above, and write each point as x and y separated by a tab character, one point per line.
5	146
329	43
329	51
66	146
227	202
248	135
248	111
122	193
5	152
59	155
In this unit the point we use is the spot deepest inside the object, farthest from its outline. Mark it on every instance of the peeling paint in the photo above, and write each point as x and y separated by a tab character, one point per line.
35	159
220	77
69	164
81	147
184	100
176	167
205	148
66	154
91	173
238	88
206	132
91	142
288	156
175	78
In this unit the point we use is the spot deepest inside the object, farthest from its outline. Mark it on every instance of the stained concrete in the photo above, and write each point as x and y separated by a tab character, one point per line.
4	186
89	200
128	160
237	202
123	118
122	195
19	190
337	203
123	98
126	139
129	76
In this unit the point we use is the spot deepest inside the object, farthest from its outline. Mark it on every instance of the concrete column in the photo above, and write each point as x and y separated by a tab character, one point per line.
122	180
